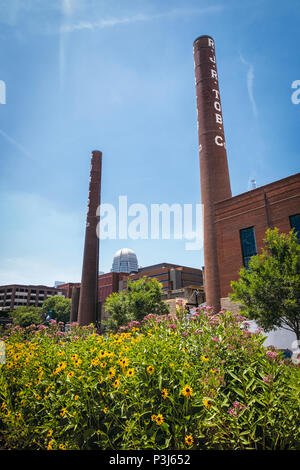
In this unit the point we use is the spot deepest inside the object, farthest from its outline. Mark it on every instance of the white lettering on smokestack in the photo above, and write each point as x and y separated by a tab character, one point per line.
217	105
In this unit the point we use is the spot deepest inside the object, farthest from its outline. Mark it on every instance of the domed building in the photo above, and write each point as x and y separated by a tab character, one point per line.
125	261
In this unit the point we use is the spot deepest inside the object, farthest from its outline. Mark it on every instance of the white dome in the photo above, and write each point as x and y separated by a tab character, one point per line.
125	261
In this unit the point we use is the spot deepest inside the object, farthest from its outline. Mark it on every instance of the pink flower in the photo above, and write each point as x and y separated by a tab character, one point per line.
272	354
215	339
268	379
184	333
173	326
237	407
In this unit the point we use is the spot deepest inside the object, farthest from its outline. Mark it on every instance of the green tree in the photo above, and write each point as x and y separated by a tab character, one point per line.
269	290
60	306
25	316
141	298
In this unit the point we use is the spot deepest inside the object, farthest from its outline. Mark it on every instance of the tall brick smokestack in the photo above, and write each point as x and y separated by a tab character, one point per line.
214	173
88	300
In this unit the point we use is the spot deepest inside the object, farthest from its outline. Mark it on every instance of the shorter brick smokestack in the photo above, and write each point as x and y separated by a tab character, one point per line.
74	304
88	300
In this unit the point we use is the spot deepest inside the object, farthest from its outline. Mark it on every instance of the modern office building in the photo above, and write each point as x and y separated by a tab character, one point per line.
17	295
125	261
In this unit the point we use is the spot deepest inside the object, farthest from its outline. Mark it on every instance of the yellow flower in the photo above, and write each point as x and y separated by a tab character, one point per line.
206	403
124	362
150	369
213	371
77	362
98	432
102	354
111	373
103	364
204	359
159	419
101	380
50	432
95	362
171	364
76	397
187	391
164	393
189	440
105	410
62	447
130	372
153	418
116	383
50	444
63	412
71	374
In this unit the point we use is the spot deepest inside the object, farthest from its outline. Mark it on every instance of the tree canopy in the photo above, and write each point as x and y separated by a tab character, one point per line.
60	307
141	298
269	289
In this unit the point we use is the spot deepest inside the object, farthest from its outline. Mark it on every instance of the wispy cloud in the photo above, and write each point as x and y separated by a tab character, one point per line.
16	144
111	22
250	81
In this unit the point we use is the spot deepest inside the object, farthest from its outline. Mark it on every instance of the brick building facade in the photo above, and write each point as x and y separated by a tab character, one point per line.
250	214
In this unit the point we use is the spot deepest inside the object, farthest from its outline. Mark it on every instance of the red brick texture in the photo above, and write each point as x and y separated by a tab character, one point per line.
265	207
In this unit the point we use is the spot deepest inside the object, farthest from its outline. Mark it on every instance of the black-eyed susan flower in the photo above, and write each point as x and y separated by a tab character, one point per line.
130	372
164	393
95	362
50	444
103	364
63	412
159	419
50	432
204	359
153	418
71	374
111	373
150	369
189	440
62	447
206	403
116	383
124	362
187	391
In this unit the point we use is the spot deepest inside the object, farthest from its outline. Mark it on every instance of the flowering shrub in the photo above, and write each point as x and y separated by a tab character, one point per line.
167	382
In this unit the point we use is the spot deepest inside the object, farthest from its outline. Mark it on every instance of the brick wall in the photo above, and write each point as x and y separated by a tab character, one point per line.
265	207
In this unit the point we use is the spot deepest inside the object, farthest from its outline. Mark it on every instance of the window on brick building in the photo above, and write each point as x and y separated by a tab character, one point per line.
248	243
295	224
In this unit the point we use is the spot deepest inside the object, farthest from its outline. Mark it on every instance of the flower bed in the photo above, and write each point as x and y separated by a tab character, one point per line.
164	383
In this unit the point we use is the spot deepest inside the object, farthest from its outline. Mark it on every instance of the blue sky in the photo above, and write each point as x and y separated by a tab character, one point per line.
118	76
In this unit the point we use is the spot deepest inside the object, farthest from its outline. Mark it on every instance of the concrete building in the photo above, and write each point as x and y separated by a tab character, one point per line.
19	295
